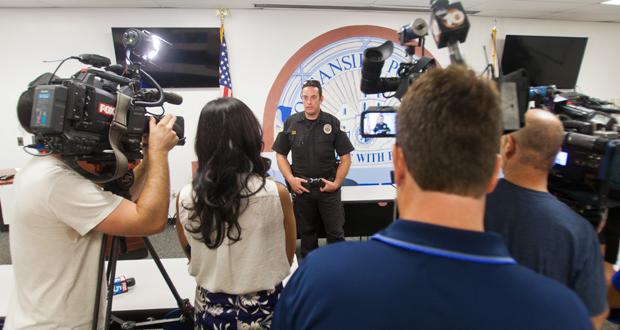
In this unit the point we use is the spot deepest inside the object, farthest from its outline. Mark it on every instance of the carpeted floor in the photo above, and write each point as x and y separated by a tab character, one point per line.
166	245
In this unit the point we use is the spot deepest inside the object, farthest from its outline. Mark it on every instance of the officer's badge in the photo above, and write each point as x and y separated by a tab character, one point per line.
327	128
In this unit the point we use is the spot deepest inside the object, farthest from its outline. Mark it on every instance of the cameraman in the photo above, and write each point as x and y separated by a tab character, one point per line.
541	232
57	229
425	269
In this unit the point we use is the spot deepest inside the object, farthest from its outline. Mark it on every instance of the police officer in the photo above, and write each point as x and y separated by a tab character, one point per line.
315	175
381	128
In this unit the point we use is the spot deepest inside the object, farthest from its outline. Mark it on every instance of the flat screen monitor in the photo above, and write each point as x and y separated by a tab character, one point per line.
548	60
191	61
378	122
561	158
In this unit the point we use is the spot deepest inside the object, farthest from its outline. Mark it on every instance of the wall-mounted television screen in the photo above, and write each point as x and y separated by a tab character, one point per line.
191	61
548	60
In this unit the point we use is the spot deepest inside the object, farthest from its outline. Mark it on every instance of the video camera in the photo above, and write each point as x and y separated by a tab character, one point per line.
586	173
99	115
449	26
375	57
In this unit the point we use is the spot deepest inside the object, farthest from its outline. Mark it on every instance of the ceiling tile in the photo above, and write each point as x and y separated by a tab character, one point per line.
421	3
594	13
512	13
535	7
583	2
402	3
581	10
318	2
205	4
102	4
23	3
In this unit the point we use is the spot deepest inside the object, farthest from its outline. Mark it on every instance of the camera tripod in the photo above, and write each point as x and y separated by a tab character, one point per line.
187	311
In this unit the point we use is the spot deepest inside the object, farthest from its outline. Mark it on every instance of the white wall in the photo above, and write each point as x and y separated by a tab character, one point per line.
259	41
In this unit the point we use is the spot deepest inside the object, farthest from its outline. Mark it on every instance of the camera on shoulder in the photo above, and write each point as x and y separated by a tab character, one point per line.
100	114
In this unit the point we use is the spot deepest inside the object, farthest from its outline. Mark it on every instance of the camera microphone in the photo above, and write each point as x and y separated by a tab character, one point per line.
94	60
169	97
116	68
173	98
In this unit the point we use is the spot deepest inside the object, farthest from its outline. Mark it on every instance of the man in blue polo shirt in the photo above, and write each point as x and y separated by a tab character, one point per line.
541	232
434	268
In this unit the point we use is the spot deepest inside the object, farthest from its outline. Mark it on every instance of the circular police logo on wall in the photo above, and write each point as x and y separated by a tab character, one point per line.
335	59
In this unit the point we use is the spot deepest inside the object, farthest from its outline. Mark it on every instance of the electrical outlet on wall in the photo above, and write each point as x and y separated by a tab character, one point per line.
20	141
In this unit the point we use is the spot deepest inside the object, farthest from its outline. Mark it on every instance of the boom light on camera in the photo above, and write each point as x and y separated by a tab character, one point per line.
99	116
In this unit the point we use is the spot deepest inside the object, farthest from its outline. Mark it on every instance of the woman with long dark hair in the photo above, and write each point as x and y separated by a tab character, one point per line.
235	223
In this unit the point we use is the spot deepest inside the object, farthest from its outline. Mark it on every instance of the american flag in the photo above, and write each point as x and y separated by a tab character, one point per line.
225	83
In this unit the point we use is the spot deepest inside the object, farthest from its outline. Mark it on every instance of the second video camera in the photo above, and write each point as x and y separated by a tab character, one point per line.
449	25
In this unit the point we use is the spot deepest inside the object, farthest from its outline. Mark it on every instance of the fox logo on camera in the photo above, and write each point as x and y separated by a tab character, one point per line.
106	109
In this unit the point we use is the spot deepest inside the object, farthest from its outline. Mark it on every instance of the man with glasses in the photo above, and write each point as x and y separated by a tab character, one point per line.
315	175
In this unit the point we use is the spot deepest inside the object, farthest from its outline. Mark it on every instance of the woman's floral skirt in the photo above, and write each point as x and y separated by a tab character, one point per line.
235	312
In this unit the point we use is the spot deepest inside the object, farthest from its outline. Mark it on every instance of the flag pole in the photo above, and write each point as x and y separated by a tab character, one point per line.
222	13
224	70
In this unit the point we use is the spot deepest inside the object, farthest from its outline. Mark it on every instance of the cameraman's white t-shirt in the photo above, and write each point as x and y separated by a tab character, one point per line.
53	248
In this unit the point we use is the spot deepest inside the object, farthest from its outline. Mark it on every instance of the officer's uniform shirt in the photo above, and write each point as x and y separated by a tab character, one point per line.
312	143
381	128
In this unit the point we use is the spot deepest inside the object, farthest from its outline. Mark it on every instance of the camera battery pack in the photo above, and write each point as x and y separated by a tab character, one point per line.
49	108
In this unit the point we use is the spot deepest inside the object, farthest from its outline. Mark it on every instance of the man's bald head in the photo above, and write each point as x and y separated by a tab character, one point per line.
540	140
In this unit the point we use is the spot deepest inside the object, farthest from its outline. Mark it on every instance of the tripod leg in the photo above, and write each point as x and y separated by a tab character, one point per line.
184	304
99	281
111	271
163	272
